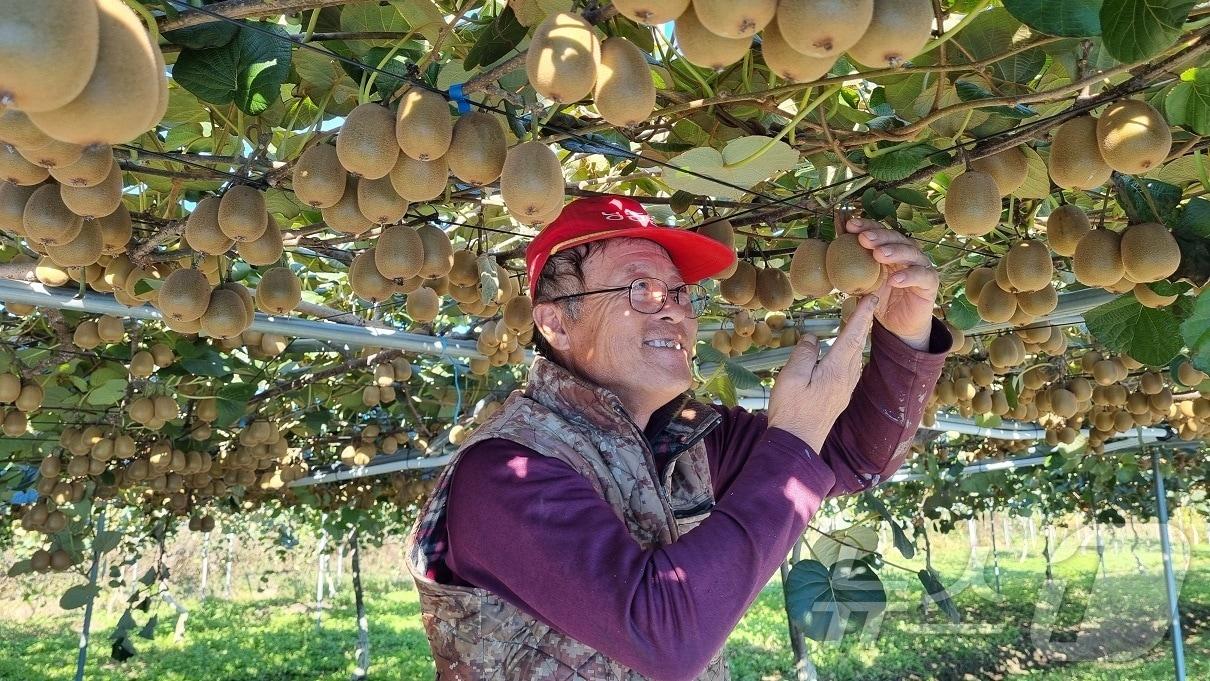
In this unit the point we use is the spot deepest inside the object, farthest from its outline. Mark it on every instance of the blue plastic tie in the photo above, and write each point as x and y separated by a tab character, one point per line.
464	105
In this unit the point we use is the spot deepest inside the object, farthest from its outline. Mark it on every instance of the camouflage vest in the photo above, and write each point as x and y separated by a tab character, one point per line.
474	634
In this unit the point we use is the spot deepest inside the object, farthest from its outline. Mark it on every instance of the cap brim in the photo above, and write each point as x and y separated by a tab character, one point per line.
694	255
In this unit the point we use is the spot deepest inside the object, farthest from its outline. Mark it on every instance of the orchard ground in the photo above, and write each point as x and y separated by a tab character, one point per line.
1094	623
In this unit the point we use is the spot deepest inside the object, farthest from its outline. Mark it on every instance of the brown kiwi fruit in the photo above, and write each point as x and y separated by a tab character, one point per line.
242	214
368	283
783	60
122	93
1149	253
184	295
624	93
423	125
245	297
651	12
15	169
897	31
225	315
54	155
808	269
279	291
438	252
1029	266
1098	258
1075	155
13	198
731	19
379	202
319	179
1149	298
1009	168
720	230
366	143
33	79
1065	227
345	216
48	220
531	182
423	305
519	313
739	288
17	130
1133	137
478	149
773	289
419	180
97	200
1039	303
92	168
265	250
116	272
399	253
822	28
851	267
116	230
562	58
465	269
701	47
202	231
972	204
975	280
995	304
83	250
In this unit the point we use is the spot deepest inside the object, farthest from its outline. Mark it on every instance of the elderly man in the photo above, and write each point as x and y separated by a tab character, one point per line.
602	524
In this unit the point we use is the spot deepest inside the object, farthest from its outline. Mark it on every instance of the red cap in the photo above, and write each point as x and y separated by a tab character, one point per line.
617	217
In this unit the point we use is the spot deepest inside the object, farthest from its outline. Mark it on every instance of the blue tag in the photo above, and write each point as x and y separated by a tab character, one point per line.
464	106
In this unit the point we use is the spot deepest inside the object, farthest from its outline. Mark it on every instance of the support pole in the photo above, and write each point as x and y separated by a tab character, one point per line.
205	565
230	559
319	579
1174	612
82	657
1096	526
995	556
361	672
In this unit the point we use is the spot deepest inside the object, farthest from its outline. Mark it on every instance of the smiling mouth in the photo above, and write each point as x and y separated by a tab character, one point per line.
664	344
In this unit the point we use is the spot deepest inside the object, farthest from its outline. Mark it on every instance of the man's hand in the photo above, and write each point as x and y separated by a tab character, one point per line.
808	396
910	291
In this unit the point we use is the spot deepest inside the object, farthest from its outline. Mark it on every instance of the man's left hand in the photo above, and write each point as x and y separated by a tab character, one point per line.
909	292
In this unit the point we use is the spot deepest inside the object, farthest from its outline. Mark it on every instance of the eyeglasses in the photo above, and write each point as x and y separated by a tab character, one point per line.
649	295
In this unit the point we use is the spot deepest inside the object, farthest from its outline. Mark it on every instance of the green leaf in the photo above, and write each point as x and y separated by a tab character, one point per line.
827	602
876	204
1192	234
1195	331
900	163
1137	197
904	545
203	36
962	313
489	284
856	541
422	16
248	71
939	595
973	92
1124	325
737	164
1037	177
106	541
108	392
144	286
909	196
370	17
210	364
386	85
233	402
78	596
146	580
1068	18
720	385
741	378
495	40
995	32
1188	103
1136	29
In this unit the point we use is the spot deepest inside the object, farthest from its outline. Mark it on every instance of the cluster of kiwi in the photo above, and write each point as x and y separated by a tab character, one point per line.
408	260
91	333
25	396
44	515
503	341
1126	261
386	376
190	305
55	559
239	218
153	412
259	345
144	363
279	291
465	278
800	39
1130	136
1018	289
201	523
973	200
774	331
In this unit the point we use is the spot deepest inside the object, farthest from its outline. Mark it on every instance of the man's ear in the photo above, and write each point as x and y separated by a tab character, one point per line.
549	319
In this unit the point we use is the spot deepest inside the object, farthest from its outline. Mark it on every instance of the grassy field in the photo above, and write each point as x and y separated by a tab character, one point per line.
275	637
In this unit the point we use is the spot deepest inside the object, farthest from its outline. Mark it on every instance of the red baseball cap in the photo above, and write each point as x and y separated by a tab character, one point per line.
617	217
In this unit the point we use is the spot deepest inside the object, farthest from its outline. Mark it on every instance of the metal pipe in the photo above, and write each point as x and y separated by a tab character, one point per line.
1174	612
382	468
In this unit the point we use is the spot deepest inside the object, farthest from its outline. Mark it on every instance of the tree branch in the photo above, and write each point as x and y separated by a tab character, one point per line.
335	370
243	9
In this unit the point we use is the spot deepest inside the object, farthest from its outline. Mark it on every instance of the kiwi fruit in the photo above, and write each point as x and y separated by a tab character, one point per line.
773	289
184	295
438	252
48	220
808	269
53	155
1009	168
83	250
279	291
972	204
15	169
242	214
1028	265
17	130
202	231
1149	298
97	200
651	12
822	28
975	281
122	92
419	180
1149	253
624	93
345	216
423	305
531	182
897	31
702	47
91	169
1039	303
225	315
319	178
720	230
379	202
1133	137
465	269
519	313
365	144
562	58
783	60
12	207
1098	258
245	297
399	253
265	250
1065	227
731	19
739	288
423	126
478	149
1075	155
995	304
67	29
116	272
851	267
367	282
1189	375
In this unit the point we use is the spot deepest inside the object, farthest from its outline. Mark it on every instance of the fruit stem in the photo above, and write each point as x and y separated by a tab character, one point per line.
364	95
969	17
152	26
802	113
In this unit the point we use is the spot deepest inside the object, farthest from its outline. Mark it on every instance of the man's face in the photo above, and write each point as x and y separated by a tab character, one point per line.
619	348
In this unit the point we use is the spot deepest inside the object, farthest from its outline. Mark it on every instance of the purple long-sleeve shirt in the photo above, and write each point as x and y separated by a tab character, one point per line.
532	530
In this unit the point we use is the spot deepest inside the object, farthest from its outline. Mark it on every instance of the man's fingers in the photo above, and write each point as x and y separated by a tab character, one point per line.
900	254
917	276
851	340
858	225
805	352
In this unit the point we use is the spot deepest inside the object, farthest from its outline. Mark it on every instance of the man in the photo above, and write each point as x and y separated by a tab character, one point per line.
602	525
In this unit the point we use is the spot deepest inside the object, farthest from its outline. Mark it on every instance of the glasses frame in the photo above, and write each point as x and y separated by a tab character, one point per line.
671	290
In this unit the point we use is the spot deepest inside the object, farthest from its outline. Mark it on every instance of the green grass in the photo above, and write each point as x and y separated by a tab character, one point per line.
276	639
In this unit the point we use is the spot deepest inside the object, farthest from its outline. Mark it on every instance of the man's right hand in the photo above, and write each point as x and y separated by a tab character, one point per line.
810	393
